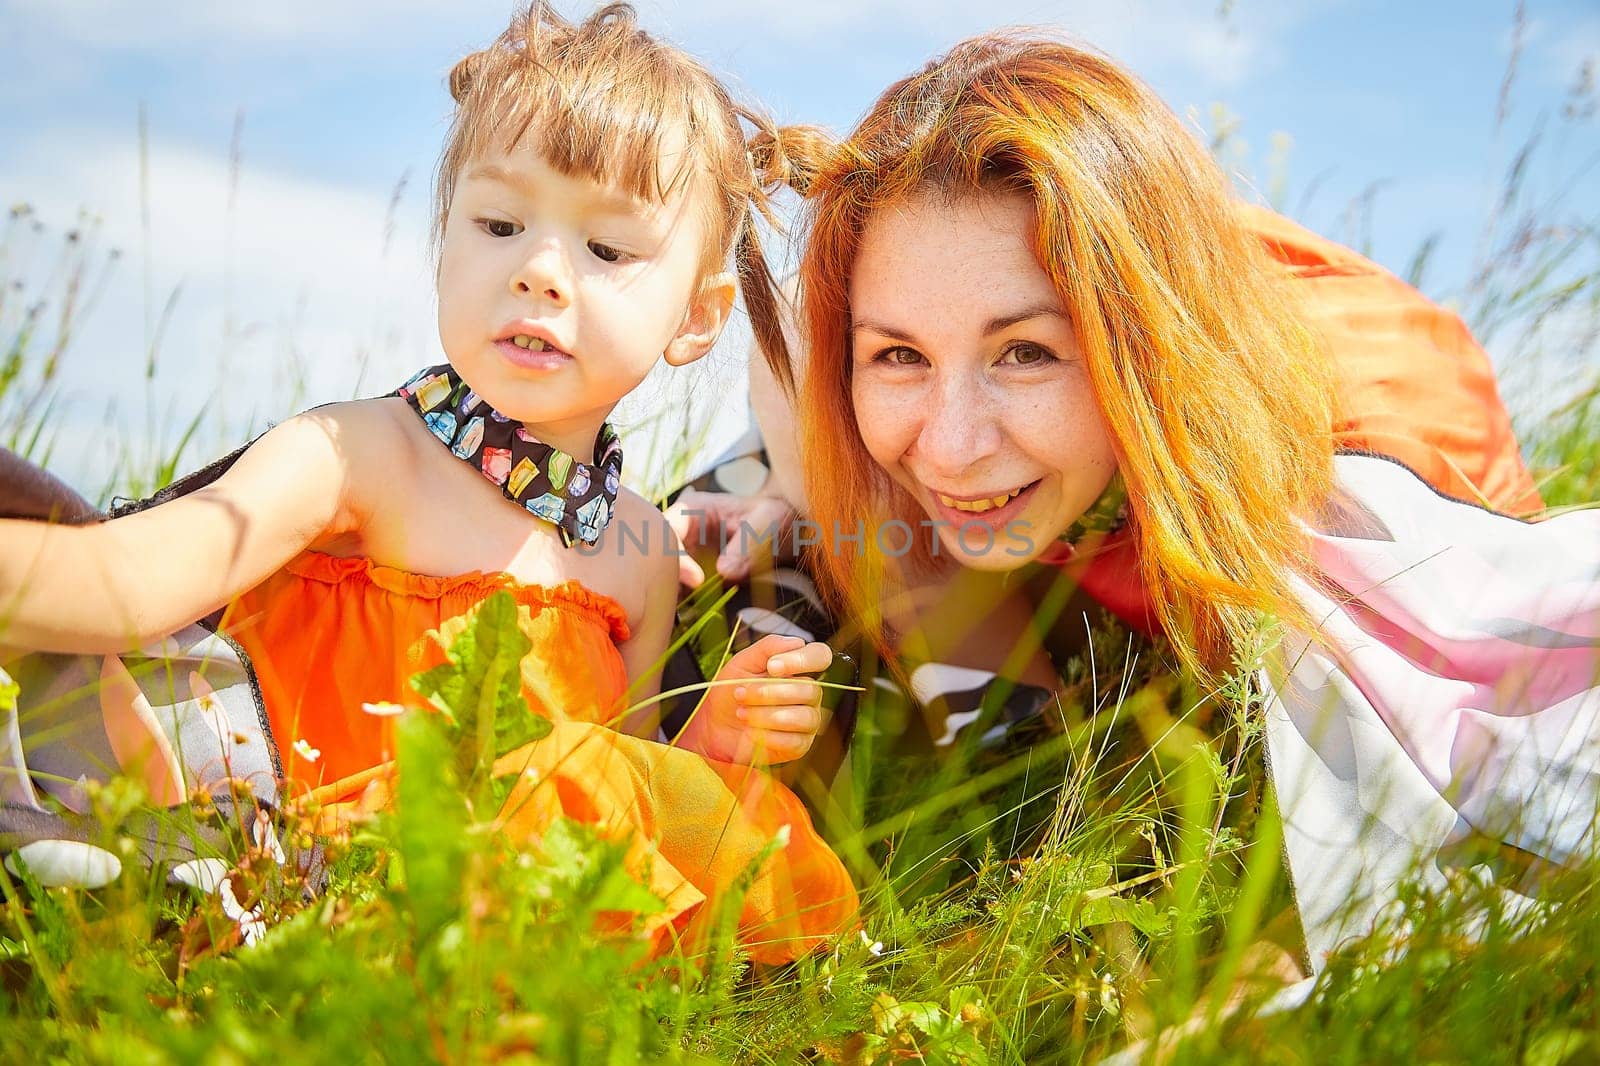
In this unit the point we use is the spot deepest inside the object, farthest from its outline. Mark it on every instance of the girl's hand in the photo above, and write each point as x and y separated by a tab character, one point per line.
771	719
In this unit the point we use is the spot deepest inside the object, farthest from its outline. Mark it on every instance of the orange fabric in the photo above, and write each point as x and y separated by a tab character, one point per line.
327	635
1411	383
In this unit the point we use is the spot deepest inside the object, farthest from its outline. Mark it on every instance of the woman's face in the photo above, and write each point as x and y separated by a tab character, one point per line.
968	385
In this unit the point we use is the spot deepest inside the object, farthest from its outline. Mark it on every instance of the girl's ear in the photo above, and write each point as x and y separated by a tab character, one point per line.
703	321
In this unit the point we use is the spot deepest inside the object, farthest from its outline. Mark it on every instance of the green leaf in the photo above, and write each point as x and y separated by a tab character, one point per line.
1142	914
1554	1047
431	822
433	682
479	689
514	728
588	871
481	671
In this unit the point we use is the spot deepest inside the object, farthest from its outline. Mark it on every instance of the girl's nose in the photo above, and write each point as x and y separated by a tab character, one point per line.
544	274
960	427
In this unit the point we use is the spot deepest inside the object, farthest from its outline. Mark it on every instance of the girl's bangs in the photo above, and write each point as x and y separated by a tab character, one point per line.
590	124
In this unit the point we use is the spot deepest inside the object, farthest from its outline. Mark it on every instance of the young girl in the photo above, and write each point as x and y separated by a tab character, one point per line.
592	186
1039	337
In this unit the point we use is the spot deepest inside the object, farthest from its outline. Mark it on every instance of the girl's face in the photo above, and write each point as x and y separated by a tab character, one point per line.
968	385
558	294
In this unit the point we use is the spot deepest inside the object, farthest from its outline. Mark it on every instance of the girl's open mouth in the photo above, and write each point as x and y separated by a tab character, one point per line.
531	353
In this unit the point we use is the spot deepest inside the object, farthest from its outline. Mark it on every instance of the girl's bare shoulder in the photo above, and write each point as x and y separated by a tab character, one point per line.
638	554
379	424
641	529
374	438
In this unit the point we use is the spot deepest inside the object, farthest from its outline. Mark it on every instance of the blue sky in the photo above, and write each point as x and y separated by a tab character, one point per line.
296	282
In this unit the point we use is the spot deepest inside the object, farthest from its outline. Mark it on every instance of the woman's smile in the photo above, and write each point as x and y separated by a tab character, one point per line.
999	512
968	386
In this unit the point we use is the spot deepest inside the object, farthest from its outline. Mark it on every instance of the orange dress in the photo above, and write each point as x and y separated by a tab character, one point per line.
328	634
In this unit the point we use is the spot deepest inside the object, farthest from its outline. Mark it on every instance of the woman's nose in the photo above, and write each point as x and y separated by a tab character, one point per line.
544	274
959	428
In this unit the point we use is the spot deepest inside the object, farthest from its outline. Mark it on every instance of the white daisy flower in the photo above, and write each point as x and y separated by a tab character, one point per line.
251	926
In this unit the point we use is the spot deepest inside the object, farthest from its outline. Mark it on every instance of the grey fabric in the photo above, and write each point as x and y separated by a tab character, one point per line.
200	691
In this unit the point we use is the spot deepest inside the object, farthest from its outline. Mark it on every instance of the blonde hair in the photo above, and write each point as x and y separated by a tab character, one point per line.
603	99
1217	399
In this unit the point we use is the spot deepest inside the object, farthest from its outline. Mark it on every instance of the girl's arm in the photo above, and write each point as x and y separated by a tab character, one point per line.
121	584
764	711
645	652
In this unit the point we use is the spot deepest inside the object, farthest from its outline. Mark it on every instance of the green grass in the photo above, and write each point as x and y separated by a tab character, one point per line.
1115	879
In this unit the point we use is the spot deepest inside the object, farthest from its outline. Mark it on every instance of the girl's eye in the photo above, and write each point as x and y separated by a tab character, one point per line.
605	253
1026	354
900	357
499	227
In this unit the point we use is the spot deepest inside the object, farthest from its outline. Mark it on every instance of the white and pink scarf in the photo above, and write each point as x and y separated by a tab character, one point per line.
1452	694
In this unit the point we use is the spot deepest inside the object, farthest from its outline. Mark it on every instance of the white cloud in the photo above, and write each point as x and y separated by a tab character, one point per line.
1188	33
332	239
289	284
1148	34
162	25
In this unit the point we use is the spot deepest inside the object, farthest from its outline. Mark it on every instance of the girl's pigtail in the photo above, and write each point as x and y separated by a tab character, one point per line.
792	157
464	75
789	155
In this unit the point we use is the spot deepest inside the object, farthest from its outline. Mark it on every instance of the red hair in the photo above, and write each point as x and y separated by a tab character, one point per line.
1218	401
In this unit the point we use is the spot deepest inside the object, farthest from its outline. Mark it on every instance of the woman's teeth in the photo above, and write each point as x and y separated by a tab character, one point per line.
533	344
979	506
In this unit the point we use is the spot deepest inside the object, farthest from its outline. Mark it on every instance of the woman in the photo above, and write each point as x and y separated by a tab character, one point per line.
1039	336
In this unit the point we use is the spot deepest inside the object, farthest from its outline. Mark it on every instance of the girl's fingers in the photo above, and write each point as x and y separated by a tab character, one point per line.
772	693
810	658
758	657
788	718
776	747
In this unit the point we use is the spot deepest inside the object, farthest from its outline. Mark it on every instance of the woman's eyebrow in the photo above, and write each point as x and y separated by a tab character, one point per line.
1006	321
993	326
868	326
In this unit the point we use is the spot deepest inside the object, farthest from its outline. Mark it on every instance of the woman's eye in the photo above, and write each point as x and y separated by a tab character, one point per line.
499	227
1027	354
900	356
605	253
